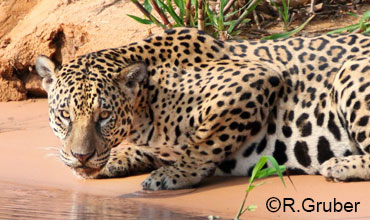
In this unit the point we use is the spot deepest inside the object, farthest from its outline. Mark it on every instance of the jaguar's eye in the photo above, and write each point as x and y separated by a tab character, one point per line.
64	114
104	115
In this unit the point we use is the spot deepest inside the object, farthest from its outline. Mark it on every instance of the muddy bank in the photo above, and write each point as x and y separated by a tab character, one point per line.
28	156
34	202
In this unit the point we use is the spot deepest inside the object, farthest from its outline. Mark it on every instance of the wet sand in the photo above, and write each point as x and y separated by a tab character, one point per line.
27	146
34	202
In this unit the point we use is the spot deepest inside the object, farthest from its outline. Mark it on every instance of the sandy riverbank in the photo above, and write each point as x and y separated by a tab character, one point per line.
26	141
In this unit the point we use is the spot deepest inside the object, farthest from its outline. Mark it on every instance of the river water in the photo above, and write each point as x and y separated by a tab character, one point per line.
31	202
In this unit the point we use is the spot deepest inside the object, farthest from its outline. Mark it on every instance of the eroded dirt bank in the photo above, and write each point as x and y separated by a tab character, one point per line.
61	30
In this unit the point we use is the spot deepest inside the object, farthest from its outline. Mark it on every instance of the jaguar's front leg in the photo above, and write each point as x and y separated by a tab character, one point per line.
201	157
211	144
223	123
185	173
127	161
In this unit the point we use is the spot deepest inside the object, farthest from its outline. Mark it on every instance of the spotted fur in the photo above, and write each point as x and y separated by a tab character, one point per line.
191	106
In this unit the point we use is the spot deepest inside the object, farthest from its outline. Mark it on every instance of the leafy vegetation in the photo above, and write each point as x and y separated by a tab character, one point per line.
362	27
258	173
284	13
289	33
225	18
222	23
196	13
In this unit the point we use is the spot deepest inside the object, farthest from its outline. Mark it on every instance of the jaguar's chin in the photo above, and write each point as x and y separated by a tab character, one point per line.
87	172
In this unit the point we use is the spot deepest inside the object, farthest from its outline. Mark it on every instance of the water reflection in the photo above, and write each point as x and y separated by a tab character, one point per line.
30	202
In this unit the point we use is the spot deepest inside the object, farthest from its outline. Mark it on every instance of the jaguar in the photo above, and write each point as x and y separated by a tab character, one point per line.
188	106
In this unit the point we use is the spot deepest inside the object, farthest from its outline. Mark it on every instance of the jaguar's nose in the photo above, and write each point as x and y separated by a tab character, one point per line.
83	158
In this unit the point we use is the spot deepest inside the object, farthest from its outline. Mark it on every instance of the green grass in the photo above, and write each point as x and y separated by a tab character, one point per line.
198	13
258	173
284	12
362	27
195	13
289	33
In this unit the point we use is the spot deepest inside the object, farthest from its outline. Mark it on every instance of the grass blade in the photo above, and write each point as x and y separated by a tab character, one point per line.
251	6
365	17
172	12
229	15
279	169
269	171
221	15
147	6
140	20
290	33
258	172
352	14
194	19
348	28
181	6
367	30
147	14
211	16
362	26
259	165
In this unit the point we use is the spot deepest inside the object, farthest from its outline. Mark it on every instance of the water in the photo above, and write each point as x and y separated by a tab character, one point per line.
31	202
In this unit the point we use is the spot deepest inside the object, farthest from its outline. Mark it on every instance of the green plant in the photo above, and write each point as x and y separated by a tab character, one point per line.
196	13
162	8
257	173
289	33
223	22
146	10
284	13
362	27
251	6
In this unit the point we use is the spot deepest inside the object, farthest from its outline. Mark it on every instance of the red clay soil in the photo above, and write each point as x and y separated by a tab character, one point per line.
61	30
26	143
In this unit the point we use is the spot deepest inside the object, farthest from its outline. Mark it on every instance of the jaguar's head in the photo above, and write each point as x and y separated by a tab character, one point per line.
91	102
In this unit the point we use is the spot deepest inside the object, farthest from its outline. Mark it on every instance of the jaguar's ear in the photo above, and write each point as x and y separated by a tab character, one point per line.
46	68
131	77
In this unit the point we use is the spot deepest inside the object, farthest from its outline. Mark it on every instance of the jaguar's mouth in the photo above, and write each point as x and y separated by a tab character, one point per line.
86	172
